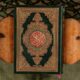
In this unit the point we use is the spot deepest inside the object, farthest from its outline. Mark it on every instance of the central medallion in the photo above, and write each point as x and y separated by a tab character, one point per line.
37	39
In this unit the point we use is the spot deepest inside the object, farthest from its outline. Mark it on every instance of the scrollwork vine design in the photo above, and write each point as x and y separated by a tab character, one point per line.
72	7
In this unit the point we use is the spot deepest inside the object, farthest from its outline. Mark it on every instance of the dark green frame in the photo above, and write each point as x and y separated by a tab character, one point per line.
60	64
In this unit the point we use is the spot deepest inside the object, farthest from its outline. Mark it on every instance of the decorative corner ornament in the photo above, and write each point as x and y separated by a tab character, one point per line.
38	38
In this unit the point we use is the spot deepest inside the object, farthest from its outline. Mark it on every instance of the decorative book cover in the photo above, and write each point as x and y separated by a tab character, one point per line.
38	39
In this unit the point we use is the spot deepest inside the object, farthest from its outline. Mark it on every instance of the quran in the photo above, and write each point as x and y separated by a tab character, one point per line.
38	39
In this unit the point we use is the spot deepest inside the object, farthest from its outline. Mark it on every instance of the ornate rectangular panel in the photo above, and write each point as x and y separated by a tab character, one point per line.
38	39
